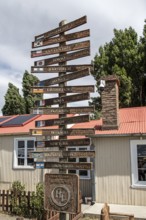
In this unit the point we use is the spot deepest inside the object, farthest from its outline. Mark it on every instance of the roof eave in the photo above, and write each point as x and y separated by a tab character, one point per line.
117	135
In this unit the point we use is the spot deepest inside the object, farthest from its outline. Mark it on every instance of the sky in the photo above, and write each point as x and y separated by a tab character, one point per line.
21	21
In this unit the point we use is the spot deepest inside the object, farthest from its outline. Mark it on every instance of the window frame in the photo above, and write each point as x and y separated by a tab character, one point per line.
79	148
15	155
134	167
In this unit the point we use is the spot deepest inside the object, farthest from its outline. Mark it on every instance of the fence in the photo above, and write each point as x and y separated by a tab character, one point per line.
6	206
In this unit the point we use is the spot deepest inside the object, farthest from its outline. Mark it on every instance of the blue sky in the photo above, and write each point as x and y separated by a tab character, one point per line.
20	21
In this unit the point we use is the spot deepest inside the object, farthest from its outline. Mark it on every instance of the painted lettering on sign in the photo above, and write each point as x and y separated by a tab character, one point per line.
63	99
63	142
64	38
60	132
63	58
69	120
66	48
56	69
63	28
67	110
67	89
65	78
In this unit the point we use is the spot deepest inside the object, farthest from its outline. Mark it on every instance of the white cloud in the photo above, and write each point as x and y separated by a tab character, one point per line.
20	21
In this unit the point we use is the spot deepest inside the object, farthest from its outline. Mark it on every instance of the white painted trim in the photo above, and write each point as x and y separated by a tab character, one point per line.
134	168
15	165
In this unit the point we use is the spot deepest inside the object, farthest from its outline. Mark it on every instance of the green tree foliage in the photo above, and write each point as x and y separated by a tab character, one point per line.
124	56
27	82
14	103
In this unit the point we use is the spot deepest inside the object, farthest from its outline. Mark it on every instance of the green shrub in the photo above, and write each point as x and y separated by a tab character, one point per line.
19	201
37	202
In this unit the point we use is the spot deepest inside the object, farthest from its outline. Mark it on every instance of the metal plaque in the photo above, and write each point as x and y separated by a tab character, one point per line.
63	28
62	143
63	58
64	38
62	121
60	49
56	69
60	132
67	89
67	110
63	99
62	193
65	78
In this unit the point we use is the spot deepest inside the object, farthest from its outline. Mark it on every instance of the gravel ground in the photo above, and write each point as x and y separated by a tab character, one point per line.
8	217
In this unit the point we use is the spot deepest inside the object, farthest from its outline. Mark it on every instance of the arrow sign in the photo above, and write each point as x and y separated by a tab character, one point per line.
62	121
64	38
67	110
60	132
57	69
67	165
67	89
60	49
63	28
63	58
62	143
63	99
47	155
65	78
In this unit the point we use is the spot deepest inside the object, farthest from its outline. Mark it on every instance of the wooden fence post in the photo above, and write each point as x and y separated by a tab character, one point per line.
105	212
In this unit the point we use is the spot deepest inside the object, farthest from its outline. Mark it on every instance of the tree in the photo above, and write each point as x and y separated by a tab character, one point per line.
27	82
124	56
14	103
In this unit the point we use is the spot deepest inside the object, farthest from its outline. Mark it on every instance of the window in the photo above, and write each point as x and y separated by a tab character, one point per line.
138	162
22	147
84	174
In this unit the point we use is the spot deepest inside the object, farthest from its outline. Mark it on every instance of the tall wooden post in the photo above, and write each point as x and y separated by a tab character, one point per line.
63	216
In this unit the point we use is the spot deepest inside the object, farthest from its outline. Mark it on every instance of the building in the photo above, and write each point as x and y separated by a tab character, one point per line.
120	151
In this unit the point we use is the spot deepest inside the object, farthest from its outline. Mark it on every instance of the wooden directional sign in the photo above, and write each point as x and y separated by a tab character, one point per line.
56	69
67	110
51	154
64	38
67	89
62	143
63	99
62	121
67	165
60	49
58	132
63	28
65	78
63	58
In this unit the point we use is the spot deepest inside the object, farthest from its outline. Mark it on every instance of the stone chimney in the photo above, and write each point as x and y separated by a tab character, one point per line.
110	103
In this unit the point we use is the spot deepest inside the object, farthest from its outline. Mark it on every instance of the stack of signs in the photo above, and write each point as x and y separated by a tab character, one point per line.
58	64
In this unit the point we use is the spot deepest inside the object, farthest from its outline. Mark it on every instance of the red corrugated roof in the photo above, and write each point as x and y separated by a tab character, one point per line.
132	121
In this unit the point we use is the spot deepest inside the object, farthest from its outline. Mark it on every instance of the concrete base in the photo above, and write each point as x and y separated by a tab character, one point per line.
93	211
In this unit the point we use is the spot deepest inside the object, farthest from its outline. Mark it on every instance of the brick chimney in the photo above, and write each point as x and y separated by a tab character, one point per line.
110	103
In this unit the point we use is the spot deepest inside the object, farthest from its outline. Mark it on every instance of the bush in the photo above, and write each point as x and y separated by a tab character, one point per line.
37	202
19	201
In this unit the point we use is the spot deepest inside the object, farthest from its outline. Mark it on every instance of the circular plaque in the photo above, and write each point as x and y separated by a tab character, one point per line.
60	195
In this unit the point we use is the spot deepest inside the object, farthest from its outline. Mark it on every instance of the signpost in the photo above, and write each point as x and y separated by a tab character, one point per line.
66	110
60	188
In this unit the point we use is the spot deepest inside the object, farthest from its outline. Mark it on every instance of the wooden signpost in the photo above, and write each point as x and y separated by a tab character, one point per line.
60	188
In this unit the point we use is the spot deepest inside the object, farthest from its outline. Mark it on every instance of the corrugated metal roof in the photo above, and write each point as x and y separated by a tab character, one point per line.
132	121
